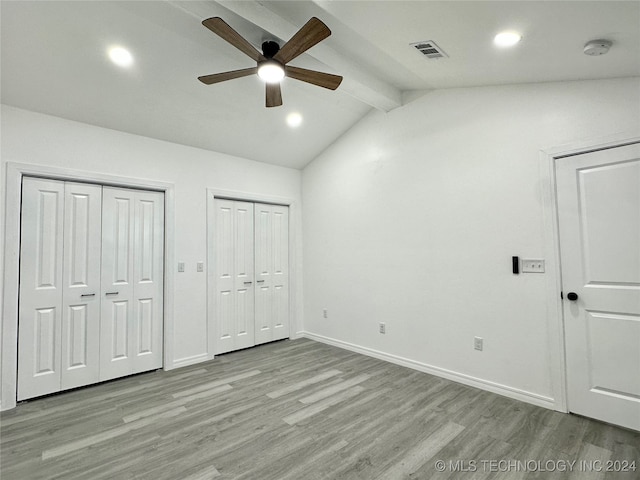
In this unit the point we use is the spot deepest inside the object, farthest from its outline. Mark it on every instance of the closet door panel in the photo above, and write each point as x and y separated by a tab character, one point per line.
264	274
263	244
234	275
41	287
263	314
280	281
148	274
81	280
272	272
117	282
224	266
244	275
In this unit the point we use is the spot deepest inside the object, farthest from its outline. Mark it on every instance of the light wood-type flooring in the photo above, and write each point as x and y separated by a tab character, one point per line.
301	410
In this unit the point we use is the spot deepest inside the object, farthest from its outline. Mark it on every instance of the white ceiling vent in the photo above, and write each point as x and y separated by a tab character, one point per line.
429	49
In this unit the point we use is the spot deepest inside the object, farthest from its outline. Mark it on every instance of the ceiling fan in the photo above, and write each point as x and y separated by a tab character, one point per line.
272	62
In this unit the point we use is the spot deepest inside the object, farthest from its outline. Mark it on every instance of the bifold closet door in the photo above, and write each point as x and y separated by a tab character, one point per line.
234	275
91	284
132	282
59	313
81	284
252	274
272	273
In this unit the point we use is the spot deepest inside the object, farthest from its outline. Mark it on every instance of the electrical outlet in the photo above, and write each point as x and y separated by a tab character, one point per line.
382	327
325	313
478	343
532	266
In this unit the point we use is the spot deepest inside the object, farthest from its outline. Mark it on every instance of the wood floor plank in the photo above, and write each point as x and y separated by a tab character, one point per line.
293	410
423	452
153	411
318	407
215	384
594	459
334	389
205	474
108	434
303	383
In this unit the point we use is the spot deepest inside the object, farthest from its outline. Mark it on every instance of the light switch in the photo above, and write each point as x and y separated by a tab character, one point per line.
532	266
181	266
200	266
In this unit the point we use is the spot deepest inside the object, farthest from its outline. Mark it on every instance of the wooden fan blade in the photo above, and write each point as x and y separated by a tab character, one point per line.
274	95
320	79
221	77
311	33
223	30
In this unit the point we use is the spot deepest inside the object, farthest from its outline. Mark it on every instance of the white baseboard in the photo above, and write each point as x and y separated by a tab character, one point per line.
511	392
185	362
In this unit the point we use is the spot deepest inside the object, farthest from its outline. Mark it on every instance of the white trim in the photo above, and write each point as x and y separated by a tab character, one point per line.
212	194
15	172
555	317
249	197
590	145
505	390
185	362
553	280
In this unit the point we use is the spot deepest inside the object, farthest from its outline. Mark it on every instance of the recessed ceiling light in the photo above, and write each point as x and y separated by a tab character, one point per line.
294	119
507	39
120	56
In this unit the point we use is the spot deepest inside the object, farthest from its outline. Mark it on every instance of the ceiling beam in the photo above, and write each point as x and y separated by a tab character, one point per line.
357	82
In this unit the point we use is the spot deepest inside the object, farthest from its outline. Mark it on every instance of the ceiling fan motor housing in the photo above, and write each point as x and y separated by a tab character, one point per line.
270	48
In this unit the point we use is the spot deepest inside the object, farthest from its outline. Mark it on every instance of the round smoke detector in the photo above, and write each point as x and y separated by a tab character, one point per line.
597	47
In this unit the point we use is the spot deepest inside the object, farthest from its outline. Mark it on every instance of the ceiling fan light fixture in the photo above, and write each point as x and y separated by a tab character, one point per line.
272	62
271	71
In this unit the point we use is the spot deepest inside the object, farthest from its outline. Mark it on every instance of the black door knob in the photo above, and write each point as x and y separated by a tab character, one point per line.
573	296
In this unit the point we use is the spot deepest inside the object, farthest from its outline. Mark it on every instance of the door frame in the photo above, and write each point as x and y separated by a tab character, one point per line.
9	331
214	193
555	313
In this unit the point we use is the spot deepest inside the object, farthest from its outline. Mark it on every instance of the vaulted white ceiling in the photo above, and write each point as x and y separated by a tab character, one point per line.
54	61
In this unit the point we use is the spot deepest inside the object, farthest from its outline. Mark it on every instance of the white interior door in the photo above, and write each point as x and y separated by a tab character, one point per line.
272	273
91	284
117	282
148	278
41	287
81	279
251	274
132	273
599	213
234	275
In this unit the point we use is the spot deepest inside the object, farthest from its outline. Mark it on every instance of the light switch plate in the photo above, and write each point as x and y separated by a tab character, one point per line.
181	266
532	266
200	266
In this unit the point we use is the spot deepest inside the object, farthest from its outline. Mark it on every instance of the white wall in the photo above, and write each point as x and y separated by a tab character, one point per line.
412	217
33	138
